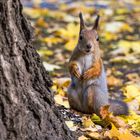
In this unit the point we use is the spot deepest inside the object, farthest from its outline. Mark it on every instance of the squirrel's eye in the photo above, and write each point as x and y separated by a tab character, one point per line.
97	38
81	37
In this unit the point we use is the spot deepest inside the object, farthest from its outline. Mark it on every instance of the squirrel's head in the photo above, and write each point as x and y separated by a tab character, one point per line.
88	38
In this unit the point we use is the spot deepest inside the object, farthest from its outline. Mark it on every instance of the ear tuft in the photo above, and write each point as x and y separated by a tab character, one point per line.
80	15
95	27
82	24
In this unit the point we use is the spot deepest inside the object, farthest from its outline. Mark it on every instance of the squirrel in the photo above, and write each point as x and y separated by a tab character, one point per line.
88	90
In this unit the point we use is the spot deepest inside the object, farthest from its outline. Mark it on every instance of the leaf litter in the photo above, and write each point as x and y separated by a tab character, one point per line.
57	27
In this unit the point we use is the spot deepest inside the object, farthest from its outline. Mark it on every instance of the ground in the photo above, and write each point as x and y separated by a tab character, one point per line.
56	27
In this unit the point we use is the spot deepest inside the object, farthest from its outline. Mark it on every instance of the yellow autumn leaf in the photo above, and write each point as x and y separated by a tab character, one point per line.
57	14
66	83
109	36
70	31
121	135
50	67
93	135
129	46
45	52
83	138
54	87
52	40
78	7
61	101
62	82
119	17
69	124
60	86
113	27
95	118
41	22
70	45
86	122
113	81
37	31
116	27
70	34
61	92
36	12
126	27
124	59
132	91
122	11
133	120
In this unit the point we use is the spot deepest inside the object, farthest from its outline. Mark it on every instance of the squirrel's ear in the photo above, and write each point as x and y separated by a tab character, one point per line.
82	24
95	27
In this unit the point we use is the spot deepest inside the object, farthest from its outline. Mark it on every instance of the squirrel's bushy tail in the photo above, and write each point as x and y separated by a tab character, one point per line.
118	107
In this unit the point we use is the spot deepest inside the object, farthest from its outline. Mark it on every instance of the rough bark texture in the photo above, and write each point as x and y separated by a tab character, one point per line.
27	110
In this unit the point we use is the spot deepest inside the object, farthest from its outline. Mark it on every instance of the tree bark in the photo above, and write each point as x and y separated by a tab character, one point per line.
27	110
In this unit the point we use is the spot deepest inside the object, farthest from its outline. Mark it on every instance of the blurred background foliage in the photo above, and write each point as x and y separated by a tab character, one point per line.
56	27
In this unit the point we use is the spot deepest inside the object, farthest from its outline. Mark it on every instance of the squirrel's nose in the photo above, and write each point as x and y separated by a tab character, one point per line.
88	46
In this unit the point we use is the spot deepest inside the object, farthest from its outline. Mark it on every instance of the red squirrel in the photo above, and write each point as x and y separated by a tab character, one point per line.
88	90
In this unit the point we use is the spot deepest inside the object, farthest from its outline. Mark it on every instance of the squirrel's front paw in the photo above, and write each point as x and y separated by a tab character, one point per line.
76	73
88	74
74	69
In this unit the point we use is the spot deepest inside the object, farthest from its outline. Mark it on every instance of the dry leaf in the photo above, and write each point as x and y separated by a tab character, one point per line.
132	91
51	40
44	52
87	122
50	67
41	22
83	138
61	101
109	117
121	135
93	135
113	81
35	13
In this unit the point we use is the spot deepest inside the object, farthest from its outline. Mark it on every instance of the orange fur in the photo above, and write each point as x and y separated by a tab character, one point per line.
94	71
73	68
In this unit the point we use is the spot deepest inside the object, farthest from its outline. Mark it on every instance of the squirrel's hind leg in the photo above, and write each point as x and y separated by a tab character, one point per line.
88	100
74	99
94	98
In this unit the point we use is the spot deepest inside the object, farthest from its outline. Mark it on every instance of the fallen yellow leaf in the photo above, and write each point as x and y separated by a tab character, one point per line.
60	100
86	122
129	46
44	52
36	12
41	22
132	91
69	124
52	40
113	81
133	120
83	138
121	135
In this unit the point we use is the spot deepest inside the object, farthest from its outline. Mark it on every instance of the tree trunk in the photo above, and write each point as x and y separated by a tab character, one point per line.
27	110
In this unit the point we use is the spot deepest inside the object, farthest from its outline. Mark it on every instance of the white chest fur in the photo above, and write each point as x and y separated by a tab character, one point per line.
85	62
